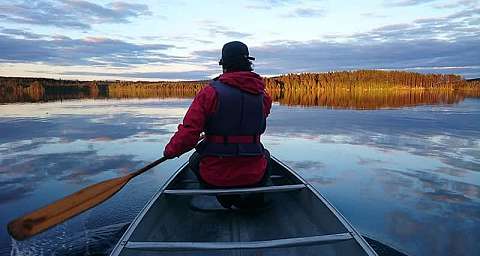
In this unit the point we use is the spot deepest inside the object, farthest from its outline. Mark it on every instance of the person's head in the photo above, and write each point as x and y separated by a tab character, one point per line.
235	57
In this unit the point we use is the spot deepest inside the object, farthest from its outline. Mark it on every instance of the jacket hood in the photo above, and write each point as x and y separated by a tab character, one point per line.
244	80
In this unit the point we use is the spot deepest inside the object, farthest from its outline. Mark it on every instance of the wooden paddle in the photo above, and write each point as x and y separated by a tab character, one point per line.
70	206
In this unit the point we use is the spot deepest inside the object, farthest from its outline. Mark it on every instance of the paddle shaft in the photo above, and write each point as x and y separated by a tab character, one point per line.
148	167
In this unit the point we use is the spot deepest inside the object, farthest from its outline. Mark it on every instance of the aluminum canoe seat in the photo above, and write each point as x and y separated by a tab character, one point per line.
276	243
230	191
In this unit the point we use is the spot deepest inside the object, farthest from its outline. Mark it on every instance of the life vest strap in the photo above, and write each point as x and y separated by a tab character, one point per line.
233	139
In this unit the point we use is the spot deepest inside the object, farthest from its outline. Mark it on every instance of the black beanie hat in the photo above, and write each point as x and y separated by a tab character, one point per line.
234	51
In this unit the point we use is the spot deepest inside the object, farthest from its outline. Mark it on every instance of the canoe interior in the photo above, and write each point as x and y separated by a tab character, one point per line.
347	248
290	214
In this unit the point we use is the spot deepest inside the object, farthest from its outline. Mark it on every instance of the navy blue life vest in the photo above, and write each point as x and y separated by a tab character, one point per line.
235	127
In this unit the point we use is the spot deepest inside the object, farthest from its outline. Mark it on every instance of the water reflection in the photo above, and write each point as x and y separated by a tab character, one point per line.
450	134
368	191
432	192
445	239
339	96
50	150
371	99
97	241
407	177
21	177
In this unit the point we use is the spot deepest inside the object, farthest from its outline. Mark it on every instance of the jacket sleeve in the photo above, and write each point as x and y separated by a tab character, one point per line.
188	133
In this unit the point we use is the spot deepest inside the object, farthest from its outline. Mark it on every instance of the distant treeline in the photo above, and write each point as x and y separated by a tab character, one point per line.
163	89
367	79
370	89
347	89
14	89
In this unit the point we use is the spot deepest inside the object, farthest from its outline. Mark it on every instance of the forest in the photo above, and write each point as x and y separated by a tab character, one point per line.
362	89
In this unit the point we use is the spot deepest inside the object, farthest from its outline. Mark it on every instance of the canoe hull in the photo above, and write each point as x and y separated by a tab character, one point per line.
184	219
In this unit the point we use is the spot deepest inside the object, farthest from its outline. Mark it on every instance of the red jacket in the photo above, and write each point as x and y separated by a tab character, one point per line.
220	171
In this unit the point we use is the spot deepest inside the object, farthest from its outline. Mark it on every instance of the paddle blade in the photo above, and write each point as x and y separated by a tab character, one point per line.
65	208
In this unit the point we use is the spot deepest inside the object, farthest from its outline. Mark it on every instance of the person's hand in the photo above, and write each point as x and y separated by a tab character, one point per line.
167	156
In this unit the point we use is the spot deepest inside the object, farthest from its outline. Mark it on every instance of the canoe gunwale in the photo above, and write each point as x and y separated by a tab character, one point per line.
276	243
133	225
356	235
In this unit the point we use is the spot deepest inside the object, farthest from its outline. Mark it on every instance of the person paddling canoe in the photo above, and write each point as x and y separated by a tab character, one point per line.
232	112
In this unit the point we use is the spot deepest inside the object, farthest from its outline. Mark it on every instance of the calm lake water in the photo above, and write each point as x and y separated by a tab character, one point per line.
408	177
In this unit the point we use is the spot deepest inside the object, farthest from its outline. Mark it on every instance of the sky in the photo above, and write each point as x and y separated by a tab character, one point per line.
182	40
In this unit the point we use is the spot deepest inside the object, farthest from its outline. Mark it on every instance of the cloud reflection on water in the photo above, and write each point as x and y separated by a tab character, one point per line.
59	140
19	178
448	196
396	174
424	161
76	128
448	136
440	235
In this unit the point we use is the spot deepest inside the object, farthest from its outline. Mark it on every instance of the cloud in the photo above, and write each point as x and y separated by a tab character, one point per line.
406	2
306	13
373	15
458	3
214	30
284	57
299	12
73	14
21	33
451	27
233	34
62	50
447	44
270	4
183	75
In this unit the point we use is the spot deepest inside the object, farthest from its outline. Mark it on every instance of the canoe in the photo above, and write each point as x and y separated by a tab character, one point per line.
183	218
